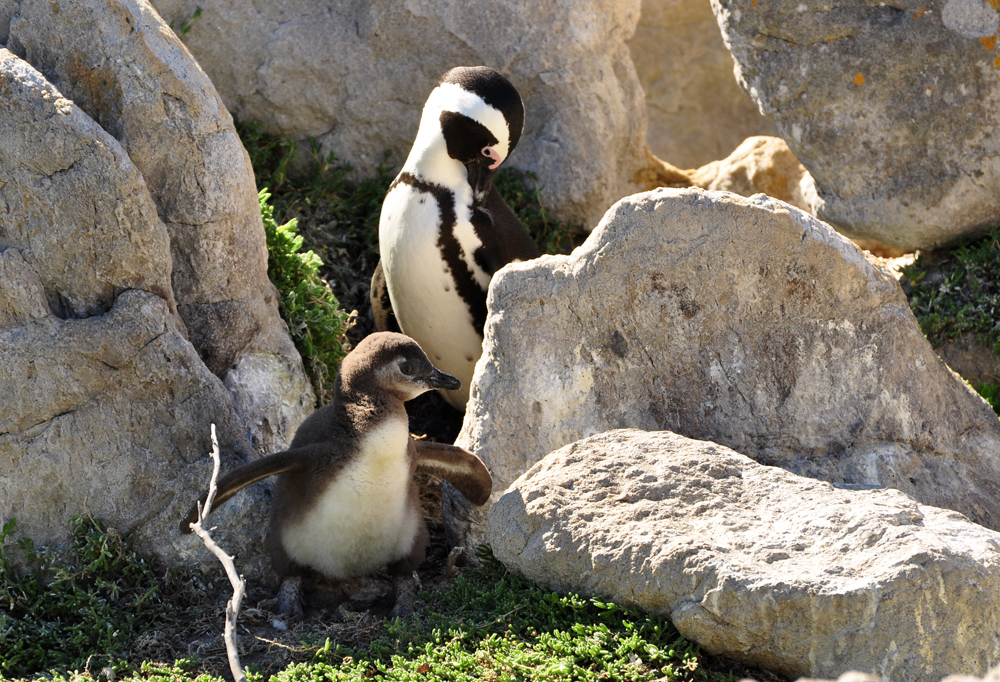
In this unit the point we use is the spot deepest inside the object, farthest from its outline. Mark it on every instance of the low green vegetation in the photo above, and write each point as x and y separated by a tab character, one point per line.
991	393
186	25
958	293
489	624
79	617
316	321
74	611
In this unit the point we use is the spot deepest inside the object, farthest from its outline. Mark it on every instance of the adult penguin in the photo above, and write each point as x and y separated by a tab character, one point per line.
444	229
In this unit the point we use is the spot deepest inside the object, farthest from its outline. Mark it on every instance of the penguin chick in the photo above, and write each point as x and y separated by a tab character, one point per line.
444	229
345	502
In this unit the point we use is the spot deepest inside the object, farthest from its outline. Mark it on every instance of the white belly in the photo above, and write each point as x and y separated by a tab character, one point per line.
420	286
361	522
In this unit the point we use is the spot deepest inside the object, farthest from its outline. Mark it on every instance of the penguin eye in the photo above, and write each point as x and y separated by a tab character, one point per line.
408	367
486	151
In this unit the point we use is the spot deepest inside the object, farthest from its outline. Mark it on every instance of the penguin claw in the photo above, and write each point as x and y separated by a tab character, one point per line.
289	599
407	587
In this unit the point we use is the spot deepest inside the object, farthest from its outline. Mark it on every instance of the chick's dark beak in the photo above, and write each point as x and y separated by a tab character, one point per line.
438	379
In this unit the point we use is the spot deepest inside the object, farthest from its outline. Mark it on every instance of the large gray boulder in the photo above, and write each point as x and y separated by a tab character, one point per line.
356	75
109	416
742	321
121	65
890	106
98	244
756	563
696	110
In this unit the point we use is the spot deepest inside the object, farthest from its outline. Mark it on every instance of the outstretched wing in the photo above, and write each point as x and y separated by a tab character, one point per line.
458	466
246	474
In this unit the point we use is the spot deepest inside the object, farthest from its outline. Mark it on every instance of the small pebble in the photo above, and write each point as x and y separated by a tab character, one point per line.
279	625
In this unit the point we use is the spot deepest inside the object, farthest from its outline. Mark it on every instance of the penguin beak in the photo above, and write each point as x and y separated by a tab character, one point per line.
481	174
439	379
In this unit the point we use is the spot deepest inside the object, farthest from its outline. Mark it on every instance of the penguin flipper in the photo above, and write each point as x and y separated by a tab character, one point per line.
382	313
504	237
458	466
246	474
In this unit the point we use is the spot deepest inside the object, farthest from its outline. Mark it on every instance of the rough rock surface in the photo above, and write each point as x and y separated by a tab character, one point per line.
854	676
975	361
356	76
110	415
742	321
759	165
696	110
756	563
892	107
126	69
95	310
86	251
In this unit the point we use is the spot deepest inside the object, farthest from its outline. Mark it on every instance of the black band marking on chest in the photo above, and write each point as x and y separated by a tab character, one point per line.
465	282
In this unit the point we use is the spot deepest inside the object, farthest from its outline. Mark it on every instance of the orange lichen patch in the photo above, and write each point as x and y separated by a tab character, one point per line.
753	3
995	4
996	61
832	38
924	9
859	79
989	43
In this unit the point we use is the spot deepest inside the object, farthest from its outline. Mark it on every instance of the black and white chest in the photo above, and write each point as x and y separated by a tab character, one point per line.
444	230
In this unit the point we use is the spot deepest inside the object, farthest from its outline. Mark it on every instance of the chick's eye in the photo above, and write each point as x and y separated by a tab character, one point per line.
486	151
408	368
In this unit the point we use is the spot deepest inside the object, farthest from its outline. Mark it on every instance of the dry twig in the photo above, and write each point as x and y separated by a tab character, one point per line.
233	607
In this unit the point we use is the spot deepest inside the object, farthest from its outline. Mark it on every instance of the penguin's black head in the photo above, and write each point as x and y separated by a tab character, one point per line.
470	99
496	91
393	363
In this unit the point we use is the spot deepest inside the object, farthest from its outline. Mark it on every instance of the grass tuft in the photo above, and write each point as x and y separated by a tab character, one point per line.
958	293
84	610
991	394
489	624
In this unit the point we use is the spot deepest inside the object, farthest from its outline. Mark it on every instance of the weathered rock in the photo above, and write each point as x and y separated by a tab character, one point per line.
991	676
756	563
892	107
744	322
110	416
106	54
760	165
72	201
977	362
696	110
356	76
126	69
108	406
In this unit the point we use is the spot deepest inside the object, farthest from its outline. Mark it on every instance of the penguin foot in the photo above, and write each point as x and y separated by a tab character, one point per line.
289	598
407	587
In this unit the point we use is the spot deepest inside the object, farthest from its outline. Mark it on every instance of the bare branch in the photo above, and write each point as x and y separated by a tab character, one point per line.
233	607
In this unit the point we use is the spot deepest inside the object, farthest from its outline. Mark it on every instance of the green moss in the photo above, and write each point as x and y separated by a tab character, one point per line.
315	320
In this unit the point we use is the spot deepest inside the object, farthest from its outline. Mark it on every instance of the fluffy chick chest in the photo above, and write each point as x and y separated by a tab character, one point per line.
360	522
